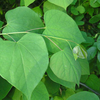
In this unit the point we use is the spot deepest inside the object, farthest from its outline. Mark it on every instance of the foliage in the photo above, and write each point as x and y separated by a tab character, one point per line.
50	50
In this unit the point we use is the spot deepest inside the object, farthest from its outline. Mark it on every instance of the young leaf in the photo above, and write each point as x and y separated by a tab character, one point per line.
80	51
61	29
21	19
84	95
26	62
65	67
61	3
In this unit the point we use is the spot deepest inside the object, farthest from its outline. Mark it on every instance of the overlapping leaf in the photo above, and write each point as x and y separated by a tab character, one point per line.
62	3
61	29
21	19
60	81
84	96
23	63
65	67
26	2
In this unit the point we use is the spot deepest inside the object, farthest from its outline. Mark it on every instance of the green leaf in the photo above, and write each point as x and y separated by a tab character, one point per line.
84	95
98	1
95	19
58	98
92	51
1	23
62	3
15	94
81	9
21	19
74	10
98	43
65	67
26	62
85	66
26	2
4	88
49	6
67	94
38	11
98	56
90	11
98	25
93	82
98	66
80	51
84	78
61	29
74	2
51	86
60	81
89	40
40	92
94	4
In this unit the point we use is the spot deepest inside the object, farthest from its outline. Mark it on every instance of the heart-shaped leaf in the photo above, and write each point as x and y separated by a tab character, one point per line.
21	19
84	96
23	63
26	2
65	67
61	29
62	3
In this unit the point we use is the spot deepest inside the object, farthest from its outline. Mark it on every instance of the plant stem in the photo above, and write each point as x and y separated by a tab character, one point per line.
54	43
89	88
28	31
11	38
2	27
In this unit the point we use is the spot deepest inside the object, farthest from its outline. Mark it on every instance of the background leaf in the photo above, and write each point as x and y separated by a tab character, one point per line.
84	95
60	81
40	92
4	88
26	2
